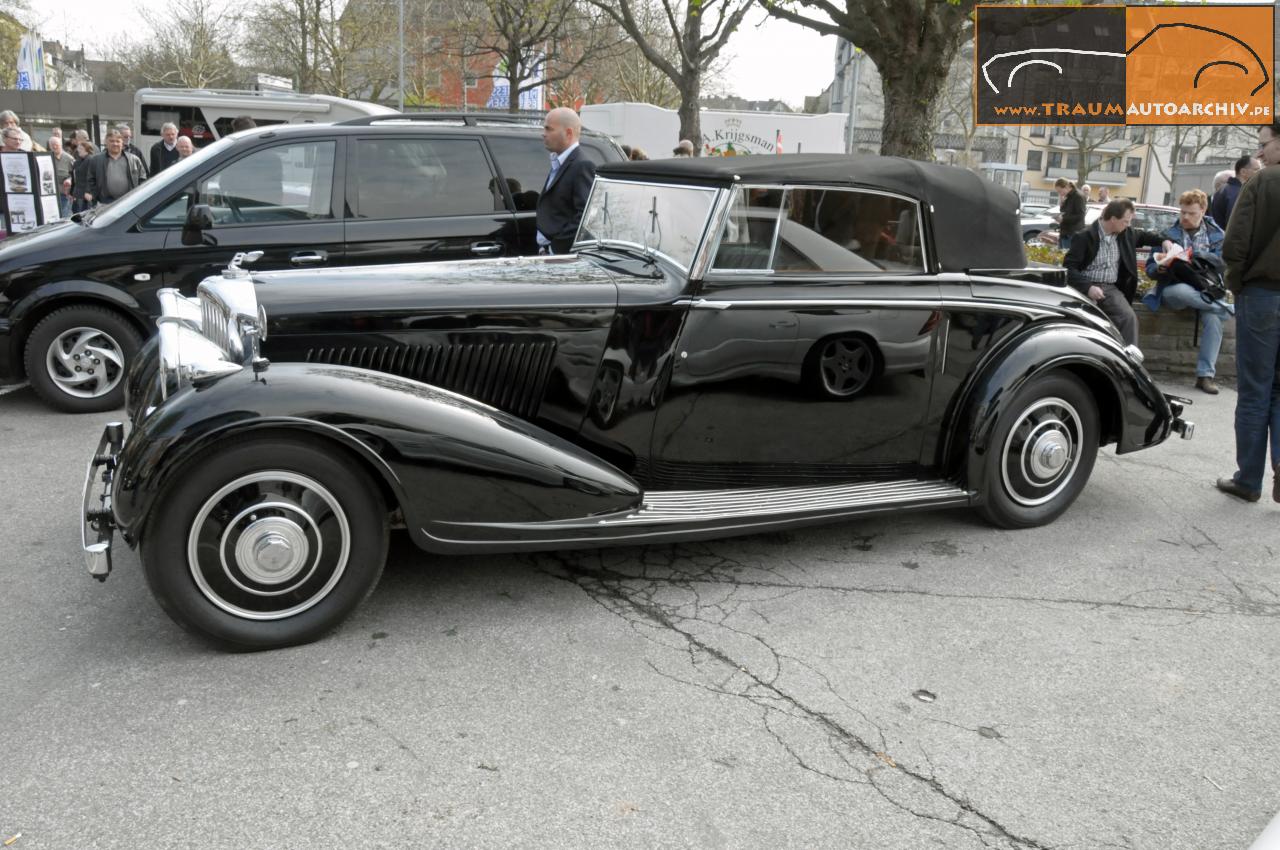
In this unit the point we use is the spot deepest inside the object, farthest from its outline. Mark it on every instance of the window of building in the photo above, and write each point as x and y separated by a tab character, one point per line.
1055	159
1133	166
1035	160
1037	131
1138	135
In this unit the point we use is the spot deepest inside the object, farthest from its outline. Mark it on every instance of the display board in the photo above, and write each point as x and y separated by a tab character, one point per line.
30	196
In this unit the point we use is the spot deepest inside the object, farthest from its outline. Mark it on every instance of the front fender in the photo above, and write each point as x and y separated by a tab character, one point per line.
1132	411
444	457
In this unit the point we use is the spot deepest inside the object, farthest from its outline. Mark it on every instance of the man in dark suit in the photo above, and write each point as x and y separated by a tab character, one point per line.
1225	198
1103	264
564	195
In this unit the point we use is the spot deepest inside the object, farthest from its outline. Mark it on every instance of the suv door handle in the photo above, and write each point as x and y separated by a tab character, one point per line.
309	258
485	249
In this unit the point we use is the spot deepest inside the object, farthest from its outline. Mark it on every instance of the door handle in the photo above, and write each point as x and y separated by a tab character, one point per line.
309	258
485	249
704	304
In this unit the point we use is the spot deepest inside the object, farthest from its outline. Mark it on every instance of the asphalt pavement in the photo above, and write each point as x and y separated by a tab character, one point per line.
913	681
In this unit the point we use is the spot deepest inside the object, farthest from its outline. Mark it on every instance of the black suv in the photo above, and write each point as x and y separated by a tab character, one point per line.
77	298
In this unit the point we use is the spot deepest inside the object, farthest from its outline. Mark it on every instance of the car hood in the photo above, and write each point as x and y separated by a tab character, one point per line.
564	281
43	241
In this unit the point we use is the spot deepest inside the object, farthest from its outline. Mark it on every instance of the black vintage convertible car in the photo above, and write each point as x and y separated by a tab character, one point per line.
733	346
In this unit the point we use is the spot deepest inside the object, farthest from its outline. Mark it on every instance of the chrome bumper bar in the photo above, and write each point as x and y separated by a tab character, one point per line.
97	525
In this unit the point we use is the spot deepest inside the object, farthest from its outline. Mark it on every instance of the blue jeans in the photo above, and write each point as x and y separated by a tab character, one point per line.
1258	377
64	205
1064	241
1183	296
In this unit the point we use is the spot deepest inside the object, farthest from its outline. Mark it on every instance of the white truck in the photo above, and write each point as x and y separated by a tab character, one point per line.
724	132
206	114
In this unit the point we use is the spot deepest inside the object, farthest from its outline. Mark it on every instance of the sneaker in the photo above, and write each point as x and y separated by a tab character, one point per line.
1206	384
1233	488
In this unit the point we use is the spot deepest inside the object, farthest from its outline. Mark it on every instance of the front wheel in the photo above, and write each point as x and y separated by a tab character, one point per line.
267	544
77	357
1041	453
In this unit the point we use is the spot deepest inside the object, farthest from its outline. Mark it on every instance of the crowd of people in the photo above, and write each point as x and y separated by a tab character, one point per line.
89	175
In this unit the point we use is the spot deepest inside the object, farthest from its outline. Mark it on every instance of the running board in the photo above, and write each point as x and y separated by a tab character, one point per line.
698	514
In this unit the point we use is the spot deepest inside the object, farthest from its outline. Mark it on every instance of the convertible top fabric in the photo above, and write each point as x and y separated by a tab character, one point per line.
974	223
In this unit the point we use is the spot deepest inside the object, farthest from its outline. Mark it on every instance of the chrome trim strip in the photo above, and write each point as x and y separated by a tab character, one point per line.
889	303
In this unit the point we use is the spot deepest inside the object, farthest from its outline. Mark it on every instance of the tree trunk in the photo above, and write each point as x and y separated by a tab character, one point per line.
690	116
513	82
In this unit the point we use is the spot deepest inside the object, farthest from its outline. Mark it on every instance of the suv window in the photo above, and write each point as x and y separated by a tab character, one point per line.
525	162
285	183
417	178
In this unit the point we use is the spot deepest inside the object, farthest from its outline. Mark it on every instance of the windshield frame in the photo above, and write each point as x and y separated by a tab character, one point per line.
639	248
177	175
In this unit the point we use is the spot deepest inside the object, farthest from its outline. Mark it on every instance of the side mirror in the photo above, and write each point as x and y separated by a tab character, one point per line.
199	219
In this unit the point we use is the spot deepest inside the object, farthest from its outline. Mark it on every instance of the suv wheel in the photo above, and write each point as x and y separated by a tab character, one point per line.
77	358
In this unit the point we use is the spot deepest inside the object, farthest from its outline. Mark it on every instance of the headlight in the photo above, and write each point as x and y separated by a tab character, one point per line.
187	357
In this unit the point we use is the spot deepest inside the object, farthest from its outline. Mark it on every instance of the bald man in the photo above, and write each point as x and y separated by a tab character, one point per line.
564	194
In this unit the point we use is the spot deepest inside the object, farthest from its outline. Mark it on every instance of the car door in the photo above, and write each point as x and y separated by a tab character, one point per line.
807	354
279	198
415	198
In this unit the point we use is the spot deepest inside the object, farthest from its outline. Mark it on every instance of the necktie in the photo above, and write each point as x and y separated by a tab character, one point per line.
555	166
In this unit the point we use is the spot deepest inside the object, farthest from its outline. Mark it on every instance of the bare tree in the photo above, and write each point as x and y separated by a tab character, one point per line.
699	30
188	45
1188	142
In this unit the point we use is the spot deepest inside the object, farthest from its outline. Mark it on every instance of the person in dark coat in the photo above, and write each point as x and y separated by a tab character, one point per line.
164	153
85	151
564	195
1224	200
1103	264
1071	207
113	171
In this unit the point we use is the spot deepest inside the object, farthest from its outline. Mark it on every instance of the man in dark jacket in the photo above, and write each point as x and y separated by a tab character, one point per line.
1070	215
1225	198
564	195
164	153
1252	252
113	171
1103	264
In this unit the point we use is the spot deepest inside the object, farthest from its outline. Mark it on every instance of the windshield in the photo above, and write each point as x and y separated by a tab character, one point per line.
171	178
668	221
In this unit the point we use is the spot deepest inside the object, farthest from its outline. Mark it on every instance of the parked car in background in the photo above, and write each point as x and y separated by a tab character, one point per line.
1152	217
733	346
78	298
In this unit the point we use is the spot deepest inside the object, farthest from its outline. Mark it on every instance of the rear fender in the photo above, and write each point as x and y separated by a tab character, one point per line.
1132	411
442	456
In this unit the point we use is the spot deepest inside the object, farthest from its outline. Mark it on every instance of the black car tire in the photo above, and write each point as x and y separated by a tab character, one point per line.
842	367
1041	452
78	341
269	543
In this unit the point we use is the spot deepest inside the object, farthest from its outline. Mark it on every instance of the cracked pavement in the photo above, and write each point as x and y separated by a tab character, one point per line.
910	681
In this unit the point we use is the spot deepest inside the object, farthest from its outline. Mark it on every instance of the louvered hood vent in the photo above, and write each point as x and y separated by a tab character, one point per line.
508	375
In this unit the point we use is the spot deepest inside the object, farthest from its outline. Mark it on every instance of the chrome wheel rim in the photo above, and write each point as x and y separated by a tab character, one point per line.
85	362
1041	452
268	545
846	366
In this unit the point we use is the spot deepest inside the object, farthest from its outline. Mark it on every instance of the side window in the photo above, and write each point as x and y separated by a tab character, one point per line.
419	178
172	214
841	230
747	239
525	163
223	124
189	120
286	183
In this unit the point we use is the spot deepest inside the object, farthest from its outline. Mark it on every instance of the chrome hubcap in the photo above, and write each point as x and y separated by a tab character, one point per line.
846	366
85	362
268	545
1041	452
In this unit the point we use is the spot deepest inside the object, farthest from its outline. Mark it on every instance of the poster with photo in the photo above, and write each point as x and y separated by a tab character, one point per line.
47	182
22	212
49	209
16	166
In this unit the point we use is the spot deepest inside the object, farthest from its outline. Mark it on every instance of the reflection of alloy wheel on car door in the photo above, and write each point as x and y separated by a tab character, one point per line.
1041	452
77	357
842	366
270	543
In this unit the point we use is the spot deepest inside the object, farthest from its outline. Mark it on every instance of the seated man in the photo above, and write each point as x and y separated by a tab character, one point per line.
1103	264
1198	232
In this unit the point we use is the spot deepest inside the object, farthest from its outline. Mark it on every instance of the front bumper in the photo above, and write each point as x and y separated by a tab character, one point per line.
1177	425
97	523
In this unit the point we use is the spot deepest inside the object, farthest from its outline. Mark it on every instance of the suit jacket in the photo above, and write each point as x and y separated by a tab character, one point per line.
161	158
562	203
1084	247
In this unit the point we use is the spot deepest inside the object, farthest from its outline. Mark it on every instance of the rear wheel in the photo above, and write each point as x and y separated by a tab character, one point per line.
77	358
270	543
1041	453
